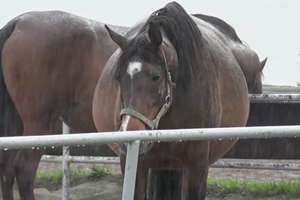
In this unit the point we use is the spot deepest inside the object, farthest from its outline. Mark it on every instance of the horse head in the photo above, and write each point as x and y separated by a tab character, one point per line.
143	72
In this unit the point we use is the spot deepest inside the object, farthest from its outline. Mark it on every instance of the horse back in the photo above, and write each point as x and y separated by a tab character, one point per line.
246	57
51	63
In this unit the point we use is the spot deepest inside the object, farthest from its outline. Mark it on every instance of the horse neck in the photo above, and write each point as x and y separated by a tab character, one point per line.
197	107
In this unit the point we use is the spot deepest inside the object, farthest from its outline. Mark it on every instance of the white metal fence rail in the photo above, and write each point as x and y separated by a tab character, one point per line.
133	138
274	98
175	135
259	164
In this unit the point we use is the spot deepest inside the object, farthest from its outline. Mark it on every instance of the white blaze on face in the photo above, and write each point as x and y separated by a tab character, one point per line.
134	68
125	123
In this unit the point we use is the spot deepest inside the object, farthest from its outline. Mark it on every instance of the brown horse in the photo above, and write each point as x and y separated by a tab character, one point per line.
250	65
51	62
50	65
174	71
247	58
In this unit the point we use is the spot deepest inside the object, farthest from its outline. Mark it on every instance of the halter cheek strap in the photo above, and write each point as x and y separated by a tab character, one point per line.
153	124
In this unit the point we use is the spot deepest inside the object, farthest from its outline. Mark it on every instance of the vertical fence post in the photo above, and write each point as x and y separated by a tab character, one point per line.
130	170
66	167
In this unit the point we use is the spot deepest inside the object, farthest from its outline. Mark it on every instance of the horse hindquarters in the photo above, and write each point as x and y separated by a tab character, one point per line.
10	122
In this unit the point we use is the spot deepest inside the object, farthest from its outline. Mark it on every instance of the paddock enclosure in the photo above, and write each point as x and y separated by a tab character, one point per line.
264	113
284	111
264	133
140	94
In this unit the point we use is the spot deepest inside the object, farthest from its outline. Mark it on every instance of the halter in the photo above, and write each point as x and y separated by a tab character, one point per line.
153	124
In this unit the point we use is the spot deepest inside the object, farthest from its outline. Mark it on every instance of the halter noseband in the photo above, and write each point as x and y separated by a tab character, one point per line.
153	124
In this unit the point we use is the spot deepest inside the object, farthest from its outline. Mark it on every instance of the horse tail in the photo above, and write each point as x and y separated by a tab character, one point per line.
10	121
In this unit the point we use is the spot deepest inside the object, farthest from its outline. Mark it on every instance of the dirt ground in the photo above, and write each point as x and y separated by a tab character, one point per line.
110	187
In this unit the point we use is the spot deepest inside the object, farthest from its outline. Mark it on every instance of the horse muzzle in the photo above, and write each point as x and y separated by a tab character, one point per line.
145	147
130	123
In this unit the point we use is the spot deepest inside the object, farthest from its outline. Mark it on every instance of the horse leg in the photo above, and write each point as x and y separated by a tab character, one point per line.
141	183
7	182
122	164
196	171
27	161
27	165
196	180
141	179
8	175
164	184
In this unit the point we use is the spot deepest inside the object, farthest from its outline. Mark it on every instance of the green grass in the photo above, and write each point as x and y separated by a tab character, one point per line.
55	177
256	188
98	172
215	186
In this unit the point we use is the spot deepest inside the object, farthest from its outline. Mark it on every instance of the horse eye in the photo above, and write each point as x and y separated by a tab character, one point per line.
155	77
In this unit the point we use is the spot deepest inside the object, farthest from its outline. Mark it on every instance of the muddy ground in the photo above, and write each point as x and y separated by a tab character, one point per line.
110	187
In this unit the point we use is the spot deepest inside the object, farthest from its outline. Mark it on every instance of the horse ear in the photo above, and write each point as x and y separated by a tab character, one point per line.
263	63
155	34
120	40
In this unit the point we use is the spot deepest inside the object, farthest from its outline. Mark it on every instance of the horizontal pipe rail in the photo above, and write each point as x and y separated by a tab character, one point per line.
264	164
179	135
259	164
275	98
82	159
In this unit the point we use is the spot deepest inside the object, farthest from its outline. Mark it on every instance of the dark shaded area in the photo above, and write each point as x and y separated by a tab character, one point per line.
270	114
91	150
164	184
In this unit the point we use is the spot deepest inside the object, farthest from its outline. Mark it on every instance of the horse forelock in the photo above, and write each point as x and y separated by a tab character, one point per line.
139	50
180	30
183	33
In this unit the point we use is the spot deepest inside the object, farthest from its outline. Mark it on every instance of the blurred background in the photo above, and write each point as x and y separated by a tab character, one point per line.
270	27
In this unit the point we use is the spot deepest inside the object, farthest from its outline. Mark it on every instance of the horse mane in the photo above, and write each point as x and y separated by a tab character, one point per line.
221	25
181	31
184	35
